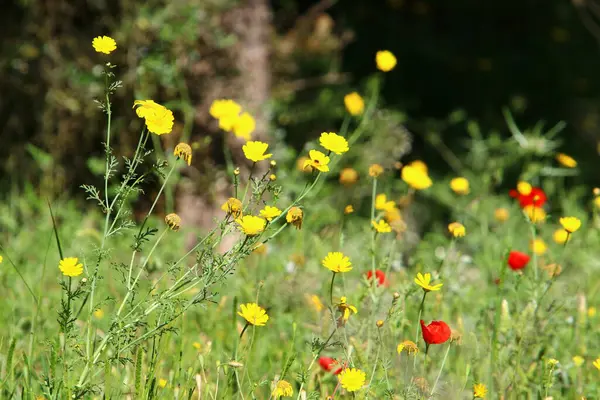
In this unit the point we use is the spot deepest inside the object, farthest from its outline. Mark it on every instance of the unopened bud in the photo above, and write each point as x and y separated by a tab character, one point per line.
379	323
236	171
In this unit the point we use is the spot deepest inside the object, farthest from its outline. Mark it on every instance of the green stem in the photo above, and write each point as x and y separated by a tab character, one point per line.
441	369
331	290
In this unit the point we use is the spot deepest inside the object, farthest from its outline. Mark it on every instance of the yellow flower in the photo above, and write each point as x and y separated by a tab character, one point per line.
578	361
251	225
566	161
162	382
99	313
381	226
244	125
337	262
460	185
104	44
1	259
552	362
535	214
295	216
479	391
409	346
70	266
425	282
501	214
173	221
300	162
233	207
591	312
524	188
316	302
420	165
457	229
272	177
560	236
538	246
382	203
197	346
334	142
283	389
347	210
254	314
348	176
224	109
375	170
346	309
596	363
385	60
317	160
415	177
354	103
597	201
352	379
184	151
570	224
158	118
255	151
270	212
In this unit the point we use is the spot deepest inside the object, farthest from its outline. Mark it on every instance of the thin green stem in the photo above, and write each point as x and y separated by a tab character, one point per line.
441	369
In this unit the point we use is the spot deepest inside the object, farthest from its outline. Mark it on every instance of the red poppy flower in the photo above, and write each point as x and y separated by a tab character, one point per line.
536	197
517	260
437	332
379	275
328	363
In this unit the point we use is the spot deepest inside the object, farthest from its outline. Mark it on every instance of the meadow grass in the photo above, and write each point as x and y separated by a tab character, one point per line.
511	293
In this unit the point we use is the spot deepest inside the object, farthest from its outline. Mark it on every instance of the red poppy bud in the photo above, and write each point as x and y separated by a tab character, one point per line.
437	332
379	275
517	260
328	363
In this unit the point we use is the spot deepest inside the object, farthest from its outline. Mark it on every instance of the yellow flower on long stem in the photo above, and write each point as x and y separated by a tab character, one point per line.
254	314
570	224
317	160
233	207
352	379
425	282
334	142
535	214
255	151
251	225
104	44
243	126
409	346
596	363
70	266
354	103
538	246
375	170
460	185
560	236
337	262
224	108
501	214
173	221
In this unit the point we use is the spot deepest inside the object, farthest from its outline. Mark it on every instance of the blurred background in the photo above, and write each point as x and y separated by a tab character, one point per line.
290	62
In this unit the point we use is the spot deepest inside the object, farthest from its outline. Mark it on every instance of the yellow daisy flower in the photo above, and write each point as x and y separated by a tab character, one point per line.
425	282
570	224
381	226
243	126
254	314
104	44
70	266
352	379
317	160
457	229
382	203
415	178
294	216
479	391
460	185
501	214
337	262
283	389
233	207
173	221
566	161
270	212
375	170
159	119
538	246
348	176
255	151
183	151
334	142
251	225
409	346
535	214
